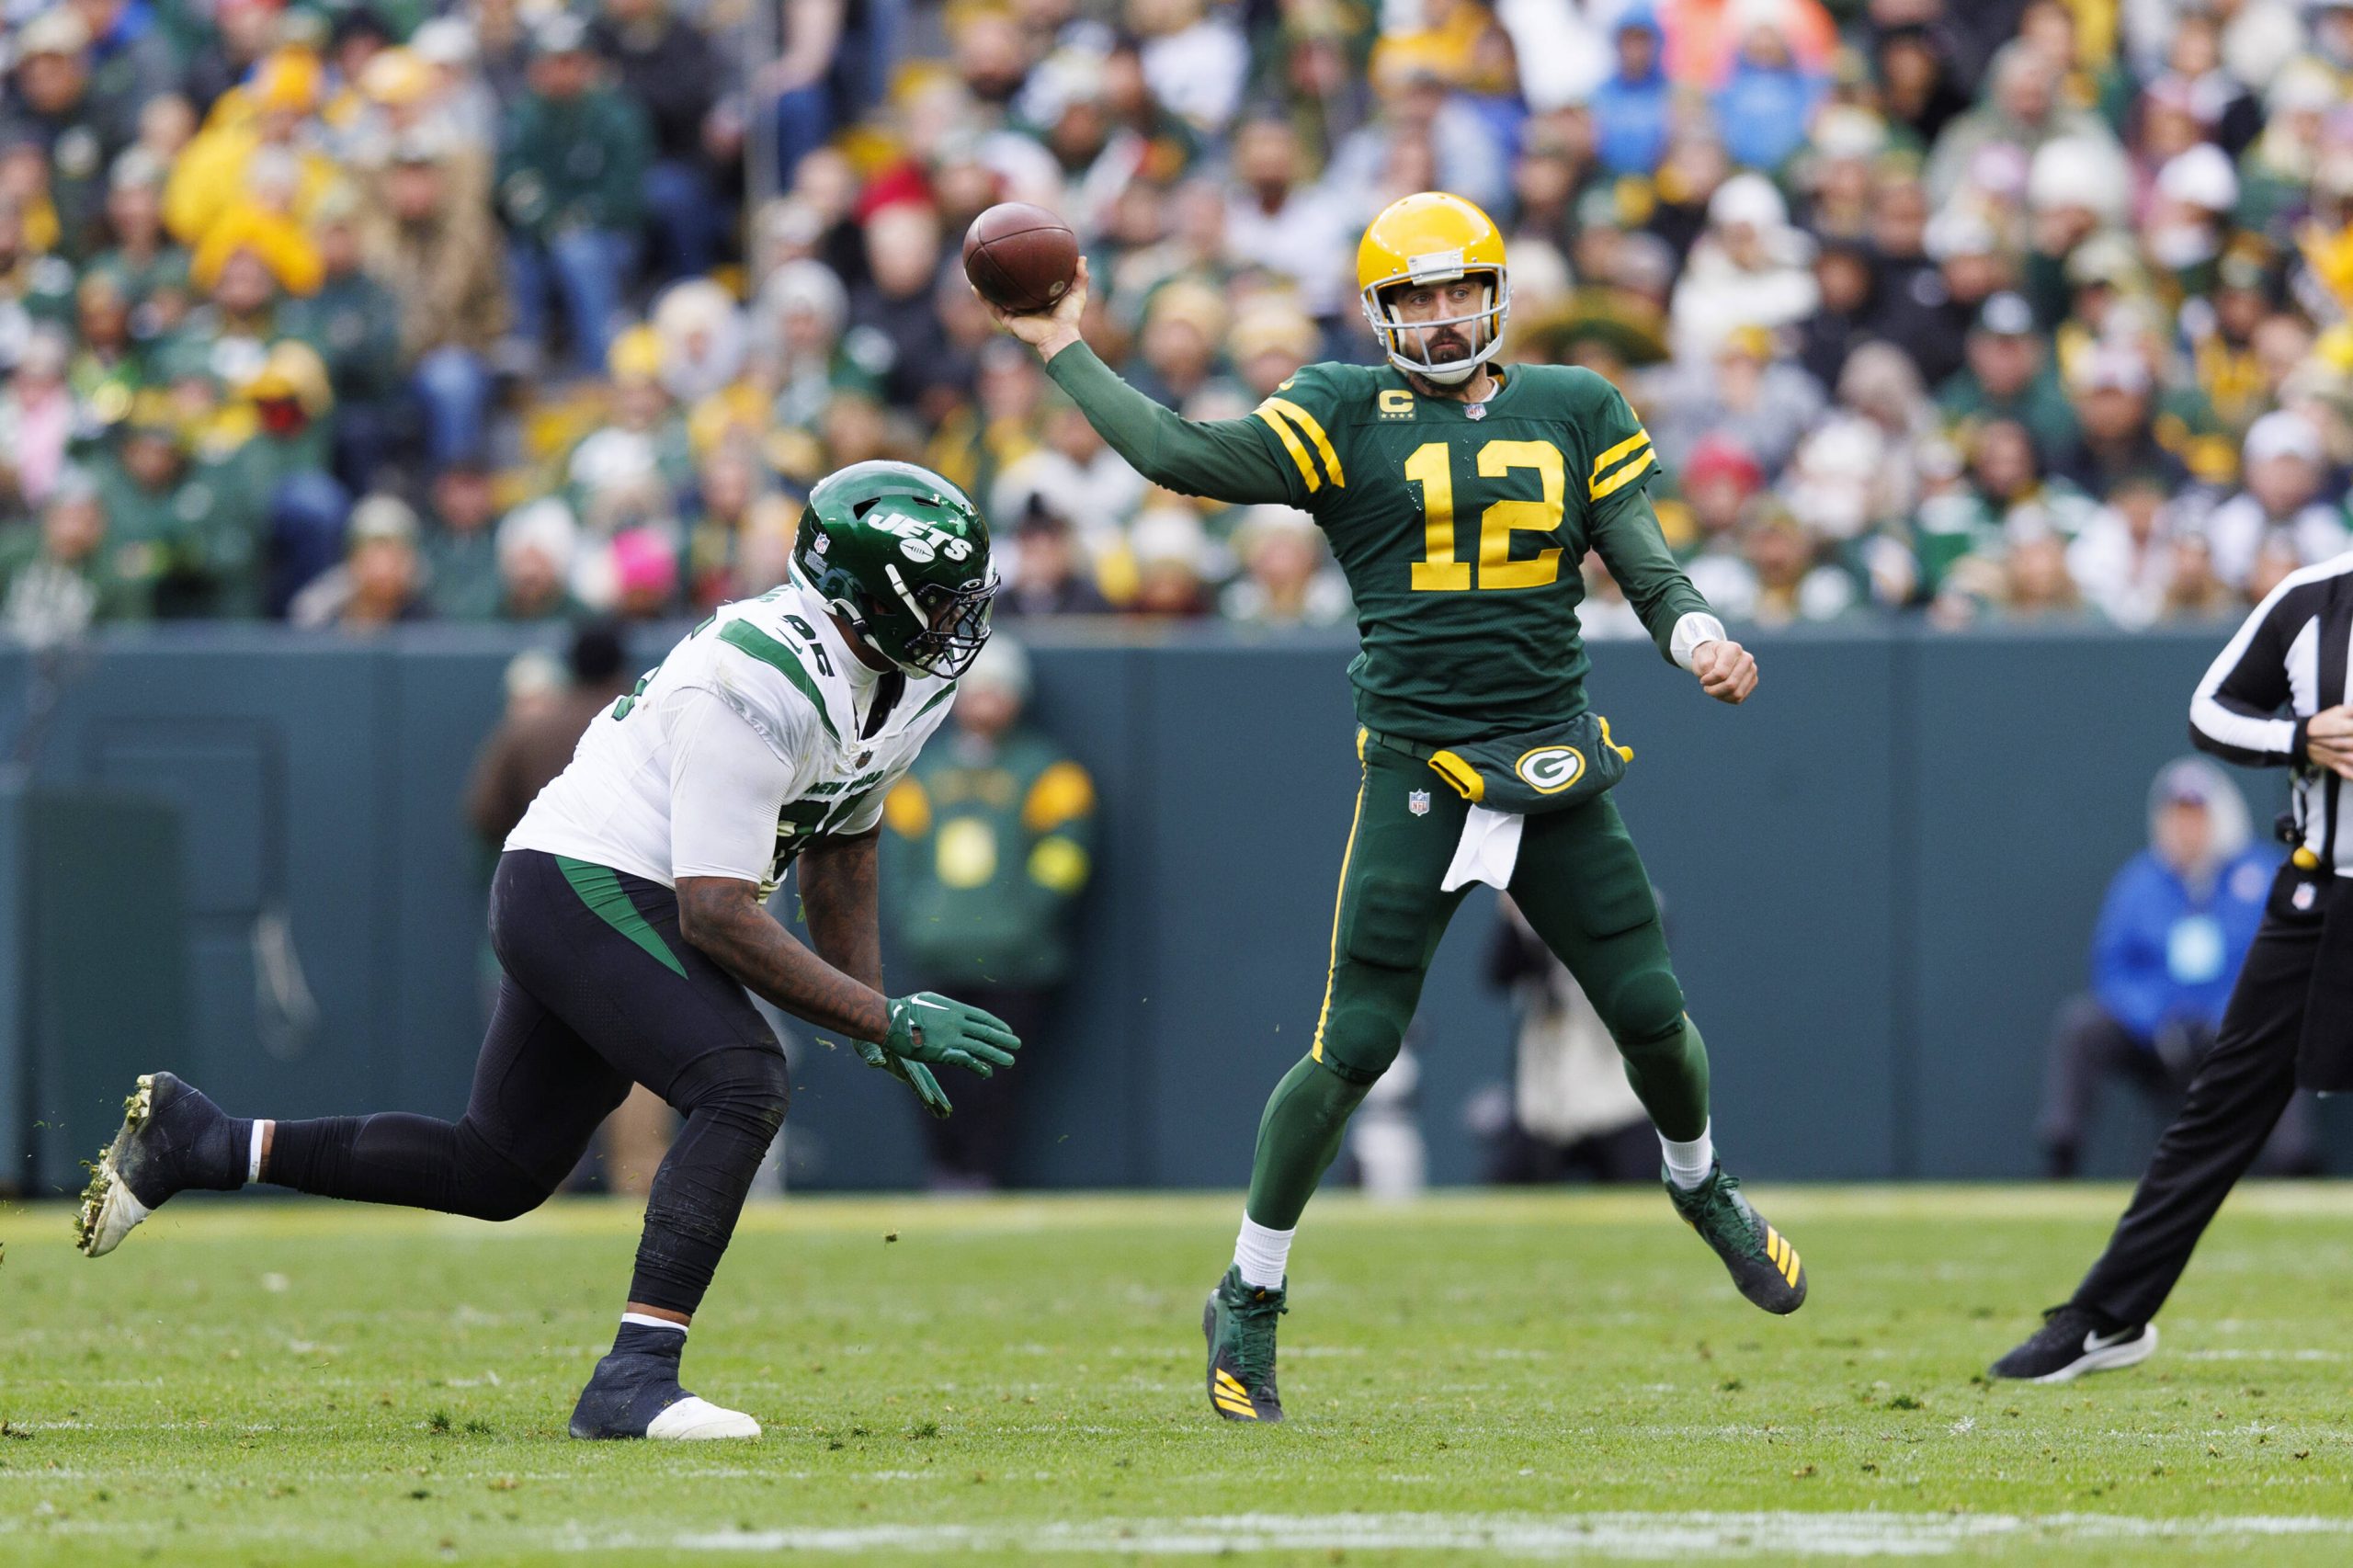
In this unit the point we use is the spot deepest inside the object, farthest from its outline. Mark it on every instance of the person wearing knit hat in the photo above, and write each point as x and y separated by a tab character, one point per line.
2283	499
1270	339
2008	375
2113	393
1751	267
61	578
2182	228
537	546
380	581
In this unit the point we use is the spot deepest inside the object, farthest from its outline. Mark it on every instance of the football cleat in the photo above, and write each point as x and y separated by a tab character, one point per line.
1761	1260
1239	1324
637	1395
2073	1340
172	1139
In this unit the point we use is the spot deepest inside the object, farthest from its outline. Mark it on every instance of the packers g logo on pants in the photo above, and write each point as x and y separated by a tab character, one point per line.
1550	769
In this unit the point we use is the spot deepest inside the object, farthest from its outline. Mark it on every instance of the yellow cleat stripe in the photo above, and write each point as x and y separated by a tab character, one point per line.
1231	1384
1624	476
1244	1411
1275	422
1774	1246
1306	422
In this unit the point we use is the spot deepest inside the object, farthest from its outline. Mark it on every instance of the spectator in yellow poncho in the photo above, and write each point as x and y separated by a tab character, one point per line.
271	112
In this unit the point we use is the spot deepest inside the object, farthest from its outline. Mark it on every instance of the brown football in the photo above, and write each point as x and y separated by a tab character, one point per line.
1021	258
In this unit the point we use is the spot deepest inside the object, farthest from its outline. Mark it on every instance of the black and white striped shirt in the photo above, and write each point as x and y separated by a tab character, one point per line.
2287	663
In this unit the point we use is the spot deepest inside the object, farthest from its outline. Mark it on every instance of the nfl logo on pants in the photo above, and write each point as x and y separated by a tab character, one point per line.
1418	803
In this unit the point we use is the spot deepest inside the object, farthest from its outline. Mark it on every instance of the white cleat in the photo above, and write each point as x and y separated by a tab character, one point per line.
693	1419
108	1211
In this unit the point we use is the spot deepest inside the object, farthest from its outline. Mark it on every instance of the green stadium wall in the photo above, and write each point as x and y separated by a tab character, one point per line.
1880	876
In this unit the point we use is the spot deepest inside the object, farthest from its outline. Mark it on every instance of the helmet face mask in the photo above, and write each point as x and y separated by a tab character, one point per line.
954	625
1408	342
904	557
1432	240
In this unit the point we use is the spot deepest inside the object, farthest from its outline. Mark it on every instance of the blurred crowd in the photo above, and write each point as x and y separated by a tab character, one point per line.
357	314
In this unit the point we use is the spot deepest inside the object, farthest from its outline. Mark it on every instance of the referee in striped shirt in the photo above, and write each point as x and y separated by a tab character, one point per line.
2275	697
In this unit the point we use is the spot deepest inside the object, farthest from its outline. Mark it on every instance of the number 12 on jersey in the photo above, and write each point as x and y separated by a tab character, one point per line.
1431	467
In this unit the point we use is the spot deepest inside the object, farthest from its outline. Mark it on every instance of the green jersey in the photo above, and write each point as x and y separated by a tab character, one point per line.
1461	528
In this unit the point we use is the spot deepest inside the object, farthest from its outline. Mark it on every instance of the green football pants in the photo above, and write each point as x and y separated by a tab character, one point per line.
1580	882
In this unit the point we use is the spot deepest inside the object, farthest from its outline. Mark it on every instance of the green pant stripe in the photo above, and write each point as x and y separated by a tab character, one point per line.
600	889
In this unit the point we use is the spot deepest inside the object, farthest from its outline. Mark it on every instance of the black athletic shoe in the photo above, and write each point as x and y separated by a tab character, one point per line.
636	1394
2073	1340
1239	1324
1762	1262
172	1139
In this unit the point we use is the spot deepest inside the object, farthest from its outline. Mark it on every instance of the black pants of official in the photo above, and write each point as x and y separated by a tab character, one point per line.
598	992
2234	1100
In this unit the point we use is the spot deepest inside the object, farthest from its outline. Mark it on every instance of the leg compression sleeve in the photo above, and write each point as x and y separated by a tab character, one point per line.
1670	1077
1581	885
734	1101
1298	1137
414	1160
538	1094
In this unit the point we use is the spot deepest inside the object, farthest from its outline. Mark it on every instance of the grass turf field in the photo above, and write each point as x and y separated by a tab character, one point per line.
1475	1379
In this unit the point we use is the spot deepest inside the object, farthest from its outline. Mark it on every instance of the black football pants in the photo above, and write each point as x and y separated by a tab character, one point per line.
598	991
2235	1098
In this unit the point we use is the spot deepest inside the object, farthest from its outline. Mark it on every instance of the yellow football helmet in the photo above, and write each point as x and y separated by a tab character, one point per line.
1433	238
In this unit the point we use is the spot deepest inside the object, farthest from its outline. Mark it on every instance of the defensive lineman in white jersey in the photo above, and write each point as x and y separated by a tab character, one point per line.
629	916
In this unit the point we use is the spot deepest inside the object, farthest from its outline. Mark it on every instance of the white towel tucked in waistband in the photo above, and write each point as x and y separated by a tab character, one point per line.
1487	851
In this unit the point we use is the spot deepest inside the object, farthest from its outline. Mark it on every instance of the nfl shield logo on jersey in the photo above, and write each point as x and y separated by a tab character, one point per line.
1476	411
1418	803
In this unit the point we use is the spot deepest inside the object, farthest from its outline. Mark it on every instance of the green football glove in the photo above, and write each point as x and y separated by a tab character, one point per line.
913	1074
930	1027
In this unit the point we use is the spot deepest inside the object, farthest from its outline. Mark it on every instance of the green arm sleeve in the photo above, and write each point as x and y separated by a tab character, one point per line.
1633	548
1226	460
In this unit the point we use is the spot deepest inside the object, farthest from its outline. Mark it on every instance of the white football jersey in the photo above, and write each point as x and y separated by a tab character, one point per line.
775	670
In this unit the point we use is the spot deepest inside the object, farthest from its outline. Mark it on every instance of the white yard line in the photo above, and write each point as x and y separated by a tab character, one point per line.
1625	1536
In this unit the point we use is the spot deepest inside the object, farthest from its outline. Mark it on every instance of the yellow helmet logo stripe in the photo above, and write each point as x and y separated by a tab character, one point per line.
1306	422
1275	422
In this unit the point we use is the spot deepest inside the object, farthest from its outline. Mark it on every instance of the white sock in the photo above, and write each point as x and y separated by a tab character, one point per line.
647	1320
1687	1165
1262	1254
253	1162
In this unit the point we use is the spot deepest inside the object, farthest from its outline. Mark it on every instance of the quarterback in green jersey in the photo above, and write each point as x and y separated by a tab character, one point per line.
1459	498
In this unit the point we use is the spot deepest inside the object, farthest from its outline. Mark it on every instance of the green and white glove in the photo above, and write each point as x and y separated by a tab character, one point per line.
930	1027
913	1074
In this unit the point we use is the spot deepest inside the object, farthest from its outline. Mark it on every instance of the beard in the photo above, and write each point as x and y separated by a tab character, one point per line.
1445	347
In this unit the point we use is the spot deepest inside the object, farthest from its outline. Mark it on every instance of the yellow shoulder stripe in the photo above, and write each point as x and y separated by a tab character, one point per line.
1062	792
908	809
1620	451
1275	422
1307	422
1624	476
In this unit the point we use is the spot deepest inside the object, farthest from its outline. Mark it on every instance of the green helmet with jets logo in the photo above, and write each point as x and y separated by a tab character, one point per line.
905	556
